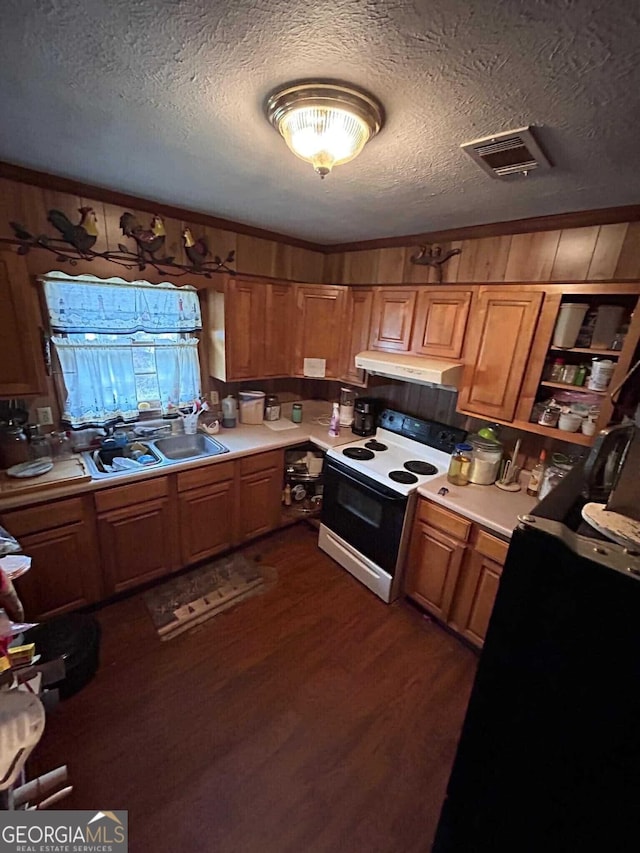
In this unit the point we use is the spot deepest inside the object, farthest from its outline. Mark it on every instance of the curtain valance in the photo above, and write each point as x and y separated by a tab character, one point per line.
81	304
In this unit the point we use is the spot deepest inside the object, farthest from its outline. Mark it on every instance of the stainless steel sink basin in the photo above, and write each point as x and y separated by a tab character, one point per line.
177	448
165	452
102	466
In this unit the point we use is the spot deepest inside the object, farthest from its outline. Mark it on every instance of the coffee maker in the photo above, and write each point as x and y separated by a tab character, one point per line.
364	416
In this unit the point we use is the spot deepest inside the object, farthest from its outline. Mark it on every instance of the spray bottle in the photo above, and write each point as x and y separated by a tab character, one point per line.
334	427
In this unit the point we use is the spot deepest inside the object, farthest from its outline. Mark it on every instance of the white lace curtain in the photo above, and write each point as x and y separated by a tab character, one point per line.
99	326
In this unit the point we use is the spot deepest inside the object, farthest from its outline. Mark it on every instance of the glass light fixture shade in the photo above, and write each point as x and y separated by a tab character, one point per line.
325	124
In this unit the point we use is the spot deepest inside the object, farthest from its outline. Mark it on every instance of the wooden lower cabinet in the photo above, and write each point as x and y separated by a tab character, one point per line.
454	577
432	572
65	570
259	492
137	533
206	508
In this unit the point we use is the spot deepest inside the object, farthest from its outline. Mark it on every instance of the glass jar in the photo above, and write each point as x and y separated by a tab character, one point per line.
296	413
39	447
14	448
459	465
485	460
550	415
271	408
553	473
60	445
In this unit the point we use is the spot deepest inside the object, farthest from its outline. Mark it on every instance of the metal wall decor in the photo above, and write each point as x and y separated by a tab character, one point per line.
433	256
77	240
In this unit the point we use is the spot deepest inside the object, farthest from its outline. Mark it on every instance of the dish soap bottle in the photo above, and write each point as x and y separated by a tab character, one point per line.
536	475
334	427
229	411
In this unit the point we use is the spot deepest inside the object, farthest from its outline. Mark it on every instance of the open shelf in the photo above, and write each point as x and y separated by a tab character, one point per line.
565	386
553	432
613	353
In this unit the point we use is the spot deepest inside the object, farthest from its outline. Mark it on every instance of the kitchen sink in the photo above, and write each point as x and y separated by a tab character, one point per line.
103	464
177	448
162	452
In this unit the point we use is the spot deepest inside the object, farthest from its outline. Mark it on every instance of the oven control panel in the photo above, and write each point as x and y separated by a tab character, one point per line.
431	433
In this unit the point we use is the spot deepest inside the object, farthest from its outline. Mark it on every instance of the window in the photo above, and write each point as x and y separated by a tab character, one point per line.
122	346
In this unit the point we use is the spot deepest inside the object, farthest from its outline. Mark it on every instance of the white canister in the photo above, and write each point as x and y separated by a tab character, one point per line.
570	317
601	374
251	406
485	460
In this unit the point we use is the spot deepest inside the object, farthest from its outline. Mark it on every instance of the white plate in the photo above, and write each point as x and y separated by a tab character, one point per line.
619	528
15	565
31	469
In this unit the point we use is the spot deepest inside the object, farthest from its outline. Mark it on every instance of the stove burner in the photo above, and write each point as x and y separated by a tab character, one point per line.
403	477
358	453
376	445
418	467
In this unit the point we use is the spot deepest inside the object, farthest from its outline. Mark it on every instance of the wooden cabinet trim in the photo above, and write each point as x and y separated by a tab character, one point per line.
135	493
444	520
272	459
208	474
46	516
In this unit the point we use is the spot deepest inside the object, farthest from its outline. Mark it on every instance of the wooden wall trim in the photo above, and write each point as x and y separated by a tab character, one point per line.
558	221
57	183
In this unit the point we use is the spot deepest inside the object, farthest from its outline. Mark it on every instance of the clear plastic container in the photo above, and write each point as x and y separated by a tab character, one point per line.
570	317
459	465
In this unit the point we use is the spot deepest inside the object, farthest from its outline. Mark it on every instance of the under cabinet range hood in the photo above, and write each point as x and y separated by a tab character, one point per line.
421	370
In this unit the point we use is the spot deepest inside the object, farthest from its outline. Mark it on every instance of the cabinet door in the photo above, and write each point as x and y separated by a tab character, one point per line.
206	521
357	330
393	310
20	373
259	495
501	336
478	587
441	318
432	569
319	325
276	323
137	544
64	574
244	332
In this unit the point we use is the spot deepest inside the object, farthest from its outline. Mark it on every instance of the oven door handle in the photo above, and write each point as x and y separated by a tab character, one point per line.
389	498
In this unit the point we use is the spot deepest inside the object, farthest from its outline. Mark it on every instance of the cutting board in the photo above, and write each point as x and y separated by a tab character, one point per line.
63	473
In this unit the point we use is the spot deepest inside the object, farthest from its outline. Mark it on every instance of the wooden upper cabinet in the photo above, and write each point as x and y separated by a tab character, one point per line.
441	318
319	323
20	371
393	312
277	330
244	319
501	333
250	330
357	328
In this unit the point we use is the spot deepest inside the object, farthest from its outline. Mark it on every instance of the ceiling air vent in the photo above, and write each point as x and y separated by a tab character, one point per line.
510	153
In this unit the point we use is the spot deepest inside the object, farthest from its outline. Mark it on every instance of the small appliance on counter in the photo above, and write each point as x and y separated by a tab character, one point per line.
347	402
364	416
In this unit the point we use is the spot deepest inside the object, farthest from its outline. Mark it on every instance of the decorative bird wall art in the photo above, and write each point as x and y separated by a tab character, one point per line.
76	242
433	256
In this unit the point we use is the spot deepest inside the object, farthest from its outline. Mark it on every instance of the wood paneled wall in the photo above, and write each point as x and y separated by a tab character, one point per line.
595	253
29	204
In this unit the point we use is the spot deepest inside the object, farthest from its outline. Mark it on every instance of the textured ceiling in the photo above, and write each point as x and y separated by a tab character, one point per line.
163	99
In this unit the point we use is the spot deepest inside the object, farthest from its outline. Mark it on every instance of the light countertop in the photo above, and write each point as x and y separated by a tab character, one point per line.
487	505
243	440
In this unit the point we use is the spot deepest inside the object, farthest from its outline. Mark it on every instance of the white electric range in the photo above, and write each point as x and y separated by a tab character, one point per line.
369	495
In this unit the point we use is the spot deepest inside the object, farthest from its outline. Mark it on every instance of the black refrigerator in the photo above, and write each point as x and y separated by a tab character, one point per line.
549	754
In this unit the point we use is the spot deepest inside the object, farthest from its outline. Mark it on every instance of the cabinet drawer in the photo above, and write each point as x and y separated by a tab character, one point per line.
134	494
444	520
46	516
262	462
491	547
205	476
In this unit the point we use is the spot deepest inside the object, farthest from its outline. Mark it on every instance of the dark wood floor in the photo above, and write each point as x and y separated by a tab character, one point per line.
311	718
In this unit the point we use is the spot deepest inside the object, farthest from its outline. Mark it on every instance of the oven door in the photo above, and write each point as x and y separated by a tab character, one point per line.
365	514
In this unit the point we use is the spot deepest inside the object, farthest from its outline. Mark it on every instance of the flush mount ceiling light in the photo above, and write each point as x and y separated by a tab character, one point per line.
323	122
